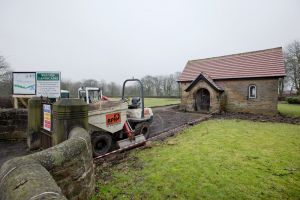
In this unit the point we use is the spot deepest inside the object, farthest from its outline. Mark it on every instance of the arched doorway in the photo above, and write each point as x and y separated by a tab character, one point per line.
202	100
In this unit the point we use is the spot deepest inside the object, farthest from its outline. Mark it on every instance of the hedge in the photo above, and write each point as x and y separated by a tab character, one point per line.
293	100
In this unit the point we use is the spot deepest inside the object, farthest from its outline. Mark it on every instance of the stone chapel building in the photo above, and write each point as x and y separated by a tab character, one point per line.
245	82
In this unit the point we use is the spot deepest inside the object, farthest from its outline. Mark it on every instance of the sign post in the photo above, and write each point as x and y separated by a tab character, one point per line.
48	84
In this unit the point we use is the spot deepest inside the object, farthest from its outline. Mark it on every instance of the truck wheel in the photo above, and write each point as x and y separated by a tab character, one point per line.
143	128
101	143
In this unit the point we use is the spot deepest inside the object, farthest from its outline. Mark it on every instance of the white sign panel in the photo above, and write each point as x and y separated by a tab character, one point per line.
47	117
48	84
24	83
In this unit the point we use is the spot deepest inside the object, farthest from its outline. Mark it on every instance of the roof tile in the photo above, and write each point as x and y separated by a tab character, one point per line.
263	63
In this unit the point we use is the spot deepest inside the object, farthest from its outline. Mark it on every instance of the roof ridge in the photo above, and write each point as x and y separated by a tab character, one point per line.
208	79
236	54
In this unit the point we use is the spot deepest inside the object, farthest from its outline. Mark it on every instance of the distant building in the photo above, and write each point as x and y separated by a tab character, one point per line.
245	82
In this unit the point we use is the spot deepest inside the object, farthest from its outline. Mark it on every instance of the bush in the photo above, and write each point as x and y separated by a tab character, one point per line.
293	100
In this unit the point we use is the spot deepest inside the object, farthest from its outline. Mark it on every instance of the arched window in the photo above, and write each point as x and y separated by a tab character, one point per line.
252	91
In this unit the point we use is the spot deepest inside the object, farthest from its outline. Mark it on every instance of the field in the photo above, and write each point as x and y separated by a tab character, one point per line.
291	110
152	102
217	159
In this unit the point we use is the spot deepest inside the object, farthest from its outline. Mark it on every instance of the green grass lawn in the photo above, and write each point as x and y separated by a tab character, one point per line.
291	110
151	102
217	159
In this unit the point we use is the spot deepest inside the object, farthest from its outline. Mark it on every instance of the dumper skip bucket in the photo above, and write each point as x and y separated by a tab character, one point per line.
127	143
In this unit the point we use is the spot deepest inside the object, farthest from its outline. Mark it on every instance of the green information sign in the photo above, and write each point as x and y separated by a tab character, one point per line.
47	76
48	84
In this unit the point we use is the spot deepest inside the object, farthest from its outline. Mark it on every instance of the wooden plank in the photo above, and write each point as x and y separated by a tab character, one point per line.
24	102
16	105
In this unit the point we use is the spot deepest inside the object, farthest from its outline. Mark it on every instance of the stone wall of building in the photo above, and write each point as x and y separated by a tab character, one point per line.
65	171
235	96
13	123
188	98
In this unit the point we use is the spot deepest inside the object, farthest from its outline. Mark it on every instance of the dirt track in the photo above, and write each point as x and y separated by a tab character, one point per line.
170	117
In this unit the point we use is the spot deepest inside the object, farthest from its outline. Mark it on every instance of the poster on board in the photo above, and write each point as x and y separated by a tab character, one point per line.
24	83
48	84
47	117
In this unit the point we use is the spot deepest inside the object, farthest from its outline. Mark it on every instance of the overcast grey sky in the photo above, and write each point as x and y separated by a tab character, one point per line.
118	39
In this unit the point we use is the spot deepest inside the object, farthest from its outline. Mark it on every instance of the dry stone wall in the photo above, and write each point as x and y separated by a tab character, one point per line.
13	123
65	171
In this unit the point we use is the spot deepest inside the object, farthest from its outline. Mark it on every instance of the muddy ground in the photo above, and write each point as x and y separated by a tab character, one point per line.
258	118
169	117
165	118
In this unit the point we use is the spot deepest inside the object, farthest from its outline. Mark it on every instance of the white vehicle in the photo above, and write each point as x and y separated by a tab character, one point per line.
64	94
116	123
90	94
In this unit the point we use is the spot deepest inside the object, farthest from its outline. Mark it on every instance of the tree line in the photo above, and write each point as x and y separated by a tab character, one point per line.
153	86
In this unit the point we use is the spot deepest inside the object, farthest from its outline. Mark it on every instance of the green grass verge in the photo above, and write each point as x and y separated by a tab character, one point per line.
217	159
151	102
291	110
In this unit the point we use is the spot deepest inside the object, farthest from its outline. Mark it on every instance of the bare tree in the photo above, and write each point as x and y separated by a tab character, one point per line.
170	85
90	83
148	84
72	87
5	77
158	83
4	69
176	84
161	85
292	64
132	90
103	86
114	90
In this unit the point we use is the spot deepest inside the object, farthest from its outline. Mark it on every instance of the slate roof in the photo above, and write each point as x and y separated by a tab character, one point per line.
263	63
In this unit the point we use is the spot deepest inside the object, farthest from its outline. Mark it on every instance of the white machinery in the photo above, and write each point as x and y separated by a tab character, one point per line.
90	94
116	124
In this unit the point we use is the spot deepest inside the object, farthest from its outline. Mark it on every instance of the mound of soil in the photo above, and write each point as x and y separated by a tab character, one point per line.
256	117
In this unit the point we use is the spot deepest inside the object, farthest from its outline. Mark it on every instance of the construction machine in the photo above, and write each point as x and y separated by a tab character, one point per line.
91	94
116	123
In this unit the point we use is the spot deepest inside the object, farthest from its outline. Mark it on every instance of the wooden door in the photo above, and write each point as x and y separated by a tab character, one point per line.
202	100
